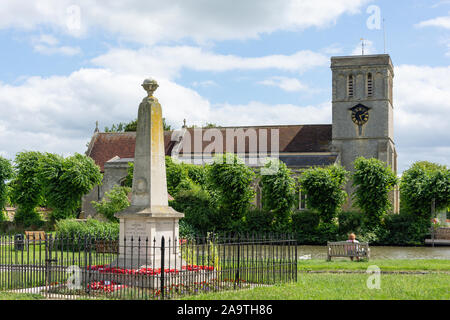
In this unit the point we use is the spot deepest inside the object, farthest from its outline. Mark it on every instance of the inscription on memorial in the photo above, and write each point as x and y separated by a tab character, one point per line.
135	229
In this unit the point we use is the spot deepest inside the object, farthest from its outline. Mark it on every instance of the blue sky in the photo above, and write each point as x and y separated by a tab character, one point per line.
66	64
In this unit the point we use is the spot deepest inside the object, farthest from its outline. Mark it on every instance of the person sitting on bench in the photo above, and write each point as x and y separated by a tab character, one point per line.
351	249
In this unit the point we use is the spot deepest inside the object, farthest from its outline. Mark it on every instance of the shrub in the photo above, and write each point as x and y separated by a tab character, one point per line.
422	183
28	219
350	222
278	192
71	228
198	209
373	182
174	175
196	173
6	173
259	221
232	179
404	229
114	201
324	188
304	225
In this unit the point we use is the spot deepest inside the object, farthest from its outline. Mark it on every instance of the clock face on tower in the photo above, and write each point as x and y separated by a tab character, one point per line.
360	114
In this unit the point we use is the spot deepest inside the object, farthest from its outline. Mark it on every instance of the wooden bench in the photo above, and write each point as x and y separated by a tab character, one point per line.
348	249
34	237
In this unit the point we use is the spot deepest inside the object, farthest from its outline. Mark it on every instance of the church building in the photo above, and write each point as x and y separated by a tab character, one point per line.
362	125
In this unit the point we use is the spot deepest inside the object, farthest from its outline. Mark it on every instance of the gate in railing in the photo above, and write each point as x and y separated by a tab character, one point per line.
78	267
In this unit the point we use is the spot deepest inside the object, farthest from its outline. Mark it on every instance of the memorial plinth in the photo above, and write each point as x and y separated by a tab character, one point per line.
149	215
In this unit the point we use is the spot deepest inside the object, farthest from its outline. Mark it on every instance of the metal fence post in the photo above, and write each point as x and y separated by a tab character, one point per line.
162	267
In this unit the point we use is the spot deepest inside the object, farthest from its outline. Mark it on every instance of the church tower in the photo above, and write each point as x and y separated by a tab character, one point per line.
363	122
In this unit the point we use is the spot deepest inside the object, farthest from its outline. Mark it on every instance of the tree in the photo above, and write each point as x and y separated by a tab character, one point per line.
114	201
66	180
278	192
324	189
132	126
232	179
6	173
423	182
26	187
373	181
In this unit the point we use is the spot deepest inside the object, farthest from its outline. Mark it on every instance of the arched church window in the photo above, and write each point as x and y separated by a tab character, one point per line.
301	200
350	85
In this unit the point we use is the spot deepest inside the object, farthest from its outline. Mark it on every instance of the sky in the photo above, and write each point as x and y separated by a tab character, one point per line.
66	64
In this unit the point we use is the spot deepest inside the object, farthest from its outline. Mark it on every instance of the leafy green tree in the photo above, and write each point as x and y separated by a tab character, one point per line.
278	192
175	173
325	192
66	180
114	201
232	179
132	126
26	187
198	208
423	182
373	181
6	173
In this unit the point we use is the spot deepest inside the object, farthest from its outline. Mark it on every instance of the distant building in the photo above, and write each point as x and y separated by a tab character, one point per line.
362	125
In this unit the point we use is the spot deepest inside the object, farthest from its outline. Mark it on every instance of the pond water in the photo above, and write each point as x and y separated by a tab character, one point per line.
320	252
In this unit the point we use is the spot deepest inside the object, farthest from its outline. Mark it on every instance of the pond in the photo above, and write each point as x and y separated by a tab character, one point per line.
320	252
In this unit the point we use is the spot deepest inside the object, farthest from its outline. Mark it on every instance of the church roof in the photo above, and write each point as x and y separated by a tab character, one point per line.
293	139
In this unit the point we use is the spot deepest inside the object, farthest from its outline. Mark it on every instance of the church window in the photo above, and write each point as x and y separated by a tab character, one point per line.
350	85
301	200
369	85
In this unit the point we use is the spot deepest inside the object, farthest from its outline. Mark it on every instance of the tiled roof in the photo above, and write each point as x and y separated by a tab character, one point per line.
106	145
292	139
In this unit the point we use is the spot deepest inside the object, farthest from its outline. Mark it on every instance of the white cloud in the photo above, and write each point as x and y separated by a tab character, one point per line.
154	21
422	113
258	113
285	83
440	22
58	114
163	61
48	44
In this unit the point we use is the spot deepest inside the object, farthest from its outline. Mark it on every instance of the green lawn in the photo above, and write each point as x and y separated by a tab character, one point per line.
384	265
345	287
19	296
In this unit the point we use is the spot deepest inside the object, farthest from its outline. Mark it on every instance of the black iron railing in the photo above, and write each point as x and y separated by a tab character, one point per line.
74	267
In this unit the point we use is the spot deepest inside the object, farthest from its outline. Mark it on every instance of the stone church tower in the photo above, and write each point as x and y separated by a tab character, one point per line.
363	122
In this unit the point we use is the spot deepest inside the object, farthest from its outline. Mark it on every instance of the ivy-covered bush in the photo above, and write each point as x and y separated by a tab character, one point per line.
350	222
259	221
278	192
373	181
325	192
232	180
198	208
174	175
404	229
114	201
420	184
304	226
